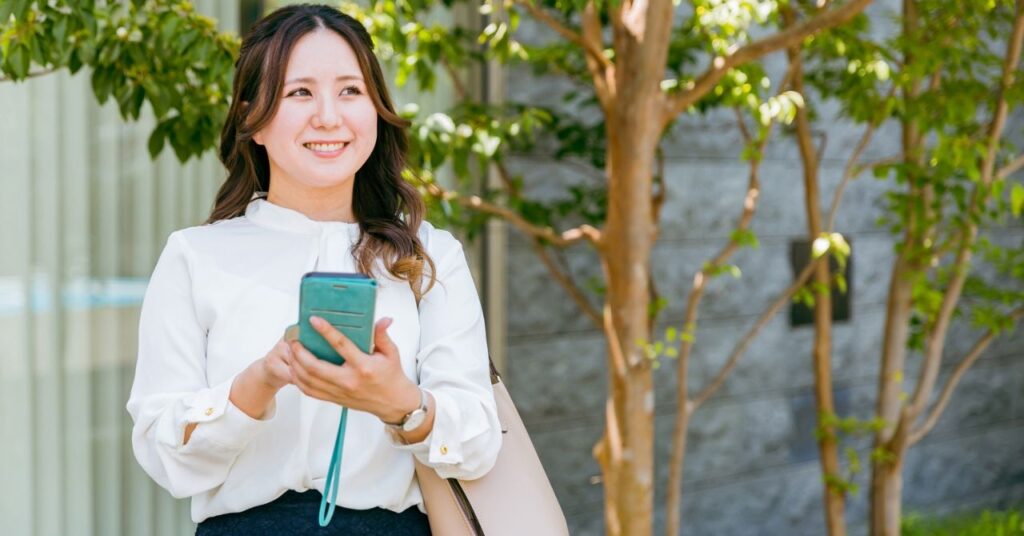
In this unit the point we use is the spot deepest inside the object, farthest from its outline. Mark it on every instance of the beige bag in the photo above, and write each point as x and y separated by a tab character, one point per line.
514	498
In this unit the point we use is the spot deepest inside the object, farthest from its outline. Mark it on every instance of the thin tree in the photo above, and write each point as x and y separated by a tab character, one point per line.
949	93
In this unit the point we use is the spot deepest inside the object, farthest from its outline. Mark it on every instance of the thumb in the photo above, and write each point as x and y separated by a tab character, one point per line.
381	341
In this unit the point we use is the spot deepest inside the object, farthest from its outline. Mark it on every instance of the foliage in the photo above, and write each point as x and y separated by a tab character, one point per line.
156	51
471	135
988	523
946	91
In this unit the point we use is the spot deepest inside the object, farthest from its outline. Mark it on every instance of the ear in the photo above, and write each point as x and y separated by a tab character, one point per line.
257	137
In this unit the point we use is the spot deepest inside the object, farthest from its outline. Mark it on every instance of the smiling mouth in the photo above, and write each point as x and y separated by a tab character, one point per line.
325	147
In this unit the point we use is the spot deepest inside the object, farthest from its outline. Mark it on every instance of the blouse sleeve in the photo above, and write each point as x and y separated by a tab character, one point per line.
170	388
453	366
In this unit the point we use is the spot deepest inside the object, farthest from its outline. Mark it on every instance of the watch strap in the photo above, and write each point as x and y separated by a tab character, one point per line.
422	407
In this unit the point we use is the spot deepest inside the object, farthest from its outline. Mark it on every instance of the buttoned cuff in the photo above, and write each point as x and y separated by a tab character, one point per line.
220	422
443	445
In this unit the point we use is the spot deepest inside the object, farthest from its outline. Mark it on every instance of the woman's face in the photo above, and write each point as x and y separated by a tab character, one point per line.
325	126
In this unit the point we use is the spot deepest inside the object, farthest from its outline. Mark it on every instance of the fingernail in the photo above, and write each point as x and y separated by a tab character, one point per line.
316	321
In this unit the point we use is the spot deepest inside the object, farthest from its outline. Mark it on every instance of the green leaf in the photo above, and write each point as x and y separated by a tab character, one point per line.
19	60
15	7
138	96
156	140
101	84
37	54
158	98
1017	200
60	29
745	237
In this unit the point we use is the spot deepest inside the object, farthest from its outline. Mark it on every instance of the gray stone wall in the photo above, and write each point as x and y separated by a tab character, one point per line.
752	463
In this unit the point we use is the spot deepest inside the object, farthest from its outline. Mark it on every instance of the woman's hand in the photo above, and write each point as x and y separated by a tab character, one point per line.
374	383
274	368
255	387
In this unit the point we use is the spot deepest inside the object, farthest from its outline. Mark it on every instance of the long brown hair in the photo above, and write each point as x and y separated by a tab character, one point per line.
380	197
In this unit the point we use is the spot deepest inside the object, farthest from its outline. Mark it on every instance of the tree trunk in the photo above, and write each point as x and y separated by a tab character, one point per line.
887	482
887	464
821	352
886	492
886	479
821	358
633	119
627	450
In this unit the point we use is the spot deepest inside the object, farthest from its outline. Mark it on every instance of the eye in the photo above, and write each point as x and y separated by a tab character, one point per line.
300	92
351	90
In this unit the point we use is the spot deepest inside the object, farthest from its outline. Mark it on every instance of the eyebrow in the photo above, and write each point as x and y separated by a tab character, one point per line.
308	80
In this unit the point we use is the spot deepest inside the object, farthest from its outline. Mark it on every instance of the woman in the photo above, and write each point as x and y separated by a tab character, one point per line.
229	413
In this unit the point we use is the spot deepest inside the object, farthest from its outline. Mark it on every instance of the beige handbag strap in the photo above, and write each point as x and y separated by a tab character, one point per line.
451	515
514	499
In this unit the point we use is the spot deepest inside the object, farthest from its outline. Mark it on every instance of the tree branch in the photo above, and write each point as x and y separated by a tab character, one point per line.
783	39
741	347
742	126
848	174
1010	168
506	178
563	239
685	406
615	351
700	278
559	274
33	74
961	265
852	169
567	283
602	72
877	163
947	391
461	93
1010	61
570	35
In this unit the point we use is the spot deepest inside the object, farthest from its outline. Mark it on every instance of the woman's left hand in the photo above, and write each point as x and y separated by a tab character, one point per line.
374	383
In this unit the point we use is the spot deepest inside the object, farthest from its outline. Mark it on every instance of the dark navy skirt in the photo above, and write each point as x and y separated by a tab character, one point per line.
298	513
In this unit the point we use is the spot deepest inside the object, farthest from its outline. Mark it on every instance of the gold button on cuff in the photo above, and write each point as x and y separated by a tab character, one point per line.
209	411
444	450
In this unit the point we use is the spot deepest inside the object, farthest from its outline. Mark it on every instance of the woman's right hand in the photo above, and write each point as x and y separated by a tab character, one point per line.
254	389
273	369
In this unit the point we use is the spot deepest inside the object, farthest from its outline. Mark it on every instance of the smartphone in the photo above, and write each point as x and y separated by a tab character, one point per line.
346	301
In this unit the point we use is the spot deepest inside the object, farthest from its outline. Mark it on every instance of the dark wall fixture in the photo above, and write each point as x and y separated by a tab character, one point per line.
800	314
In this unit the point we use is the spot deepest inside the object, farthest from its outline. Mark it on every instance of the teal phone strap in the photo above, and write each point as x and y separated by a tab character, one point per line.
331	486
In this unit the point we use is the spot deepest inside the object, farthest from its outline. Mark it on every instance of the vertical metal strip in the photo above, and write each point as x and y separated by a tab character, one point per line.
30	321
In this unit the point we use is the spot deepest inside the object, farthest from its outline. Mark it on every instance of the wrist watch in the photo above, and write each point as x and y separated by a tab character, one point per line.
414	418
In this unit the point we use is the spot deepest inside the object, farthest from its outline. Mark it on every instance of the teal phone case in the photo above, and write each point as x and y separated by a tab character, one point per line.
346	301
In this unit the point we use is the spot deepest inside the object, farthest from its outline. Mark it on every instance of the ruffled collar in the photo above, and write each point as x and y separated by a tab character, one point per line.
267	214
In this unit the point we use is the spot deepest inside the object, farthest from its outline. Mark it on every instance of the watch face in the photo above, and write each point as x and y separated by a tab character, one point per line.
415	420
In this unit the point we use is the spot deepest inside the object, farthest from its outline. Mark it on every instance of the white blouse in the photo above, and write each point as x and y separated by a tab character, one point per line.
221	296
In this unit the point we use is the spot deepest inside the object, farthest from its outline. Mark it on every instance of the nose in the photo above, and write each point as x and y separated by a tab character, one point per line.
328	115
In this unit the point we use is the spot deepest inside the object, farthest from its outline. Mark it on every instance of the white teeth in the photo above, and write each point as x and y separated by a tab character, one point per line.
324	147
